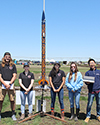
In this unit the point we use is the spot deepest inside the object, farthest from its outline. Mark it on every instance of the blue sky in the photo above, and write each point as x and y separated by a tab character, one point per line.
72	29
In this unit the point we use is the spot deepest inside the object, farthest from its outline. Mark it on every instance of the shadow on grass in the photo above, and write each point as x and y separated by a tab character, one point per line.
82	115
26	112
6	114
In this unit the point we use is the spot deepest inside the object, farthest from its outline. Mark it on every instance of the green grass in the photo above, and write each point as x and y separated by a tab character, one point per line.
44	120
47	120
35	72
16	83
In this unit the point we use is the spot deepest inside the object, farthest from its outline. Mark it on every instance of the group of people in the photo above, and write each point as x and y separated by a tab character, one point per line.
57	79
8	73
74	83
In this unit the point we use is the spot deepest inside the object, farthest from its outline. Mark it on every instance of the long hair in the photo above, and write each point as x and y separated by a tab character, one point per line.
76	70
4	62
53	72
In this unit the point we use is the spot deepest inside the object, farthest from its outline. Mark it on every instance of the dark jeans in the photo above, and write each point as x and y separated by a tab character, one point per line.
90	102
60	96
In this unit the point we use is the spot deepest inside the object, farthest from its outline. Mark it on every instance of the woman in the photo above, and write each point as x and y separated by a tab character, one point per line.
57	80
74	84
26	80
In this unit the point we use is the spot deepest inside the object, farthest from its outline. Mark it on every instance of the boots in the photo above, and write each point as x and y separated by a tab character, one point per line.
52	112
72	114
77	114
62	115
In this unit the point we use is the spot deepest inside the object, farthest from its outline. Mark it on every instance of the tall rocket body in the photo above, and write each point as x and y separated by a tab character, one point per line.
43	81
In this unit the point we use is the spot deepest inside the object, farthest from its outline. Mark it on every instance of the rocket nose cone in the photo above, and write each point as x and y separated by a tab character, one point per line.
43	16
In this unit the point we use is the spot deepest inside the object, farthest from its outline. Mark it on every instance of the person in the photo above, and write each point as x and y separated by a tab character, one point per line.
8	74
93	89
57	80
26	80
74	83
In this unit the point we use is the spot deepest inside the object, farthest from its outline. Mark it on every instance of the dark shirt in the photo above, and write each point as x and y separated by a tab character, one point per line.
93	87
26	80
7	72
57	80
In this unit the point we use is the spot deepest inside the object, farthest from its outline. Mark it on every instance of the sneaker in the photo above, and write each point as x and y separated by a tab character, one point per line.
98	118
87	120
14	117
22	116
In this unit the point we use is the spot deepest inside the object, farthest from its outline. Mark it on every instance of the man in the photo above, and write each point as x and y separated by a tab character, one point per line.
8	74
94	89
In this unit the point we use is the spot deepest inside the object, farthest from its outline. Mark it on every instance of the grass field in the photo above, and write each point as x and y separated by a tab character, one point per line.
46	120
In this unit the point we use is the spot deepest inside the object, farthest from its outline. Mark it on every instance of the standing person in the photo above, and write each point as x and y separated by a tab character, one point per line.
26	80
57	80
74	83
8	74
93	89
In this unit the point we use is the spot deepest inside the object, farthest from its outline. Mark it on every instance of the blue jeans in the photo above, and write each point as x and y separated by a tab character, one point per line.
90	102
77	98
60	96
23	99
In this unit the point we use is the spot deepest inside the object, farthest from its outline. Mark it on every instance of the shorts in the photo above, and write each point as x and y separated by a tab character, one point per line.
11	94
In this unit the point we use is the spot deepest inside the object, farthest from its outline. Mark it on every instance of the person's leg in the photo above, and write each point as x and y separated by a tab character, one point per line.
13	106
23	99
71	99
60	96
1	102
53	97
77	98
11	94
2	96
98	105
89	105
30	98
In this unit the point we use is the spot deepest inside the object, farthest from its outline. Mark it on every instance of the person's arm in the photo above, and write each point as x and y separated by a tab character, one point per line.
63	82
50	80
13	78
20	83
2	81
30	86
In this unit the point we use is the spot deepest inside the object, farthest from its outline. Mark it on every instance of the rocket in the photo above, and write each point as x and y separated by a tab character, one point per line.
43	81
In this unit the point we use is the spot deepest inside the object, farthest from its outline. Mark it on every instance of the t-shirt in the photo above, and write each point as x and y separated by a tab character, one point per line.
7	71
26	80
57	80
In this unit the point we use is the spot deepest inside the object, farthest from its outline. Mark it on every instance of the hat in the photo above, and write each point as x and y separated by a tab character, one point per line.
7	53
57	62
26	64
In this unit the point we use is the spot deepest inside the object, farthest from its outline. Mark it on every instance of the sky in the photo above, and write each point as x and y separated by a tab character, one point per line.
72	29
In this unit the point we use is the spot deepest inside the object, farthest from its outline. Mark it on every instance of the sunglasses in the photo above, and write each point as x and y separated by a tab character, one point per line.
73	66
